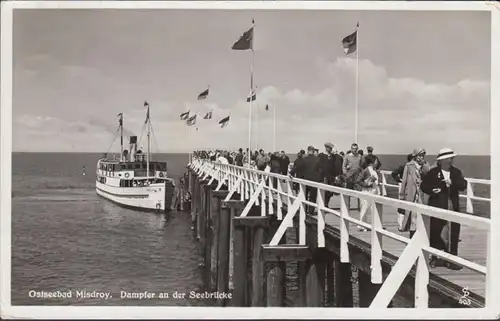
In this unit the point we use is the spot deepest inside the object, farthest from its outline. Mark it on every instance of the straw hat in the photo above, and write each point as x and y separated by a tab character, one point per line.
446	153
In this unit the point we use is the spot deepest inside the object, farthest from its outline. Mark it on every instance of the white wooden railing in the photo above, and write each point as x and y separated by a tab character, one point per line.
257	187
469	192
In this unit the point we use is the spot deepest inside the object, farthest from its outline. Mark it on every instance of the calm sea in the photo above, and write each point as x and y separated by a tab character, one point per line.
66	238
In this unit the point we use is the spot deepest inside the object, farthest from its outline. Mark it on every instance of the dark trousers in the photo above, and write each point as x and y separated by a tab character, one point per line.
311	195
328	195
436	239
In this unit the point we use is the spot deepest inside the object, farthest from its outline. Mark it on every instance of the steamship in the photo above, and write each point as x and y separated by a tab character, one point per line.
133	181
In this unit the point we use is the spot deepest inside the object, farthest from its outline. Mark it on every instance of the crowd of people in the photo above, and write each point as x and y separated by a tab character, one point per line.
435	185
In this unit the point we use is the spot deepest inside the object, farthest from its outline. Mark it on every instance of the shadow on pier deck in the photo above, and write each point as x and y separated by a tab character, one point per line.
243	224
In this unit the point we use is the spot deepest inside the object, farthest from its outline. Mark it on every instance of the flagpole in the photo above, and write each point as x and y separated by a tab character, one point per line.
258	128
357	87
274	127
149	145
251	94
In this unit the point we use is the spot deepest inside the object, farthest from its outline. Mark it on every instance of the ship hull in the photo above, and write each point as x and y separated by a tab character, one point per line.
148	199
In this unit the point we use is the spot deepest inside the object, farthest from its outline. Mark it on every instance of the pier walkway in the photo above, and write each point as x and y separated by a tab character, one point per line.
391	269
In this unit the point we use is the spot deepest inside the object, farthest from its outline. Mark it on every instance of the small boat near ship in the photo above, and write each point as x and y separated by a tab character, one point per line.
134	181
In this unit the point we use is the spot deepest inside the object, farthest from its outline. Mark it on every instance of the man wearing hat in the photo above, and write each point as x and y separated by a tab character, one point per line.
310	169
351	168
443	183
369	151
331	167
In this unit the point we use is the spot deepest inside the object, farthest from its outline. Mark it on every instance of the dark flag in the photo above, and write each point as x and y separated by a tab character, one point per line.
245	42
208	115
223	122
253	97
267	107
203	95
147	114
191	120
185	115
120	121
349	43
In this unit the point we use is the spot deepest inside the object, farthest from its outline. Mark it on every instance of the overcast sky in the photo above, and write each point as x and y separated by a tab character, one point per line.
424	78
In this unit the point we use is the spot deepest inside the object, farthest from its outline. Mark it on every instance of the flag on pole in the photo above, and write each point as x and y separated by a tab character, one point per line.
120	121
253	97
245	42
349	43
191	120
208	115
185	115
147	114
203	95
224	121
267	107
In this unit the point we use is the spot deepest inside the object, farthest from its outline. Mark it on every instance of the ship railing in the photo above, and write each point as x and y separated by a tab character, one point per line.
260	188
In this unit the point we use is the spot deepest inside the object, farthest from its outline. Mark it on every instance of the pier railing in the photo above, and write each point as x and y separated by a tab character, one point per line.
469	194
276	196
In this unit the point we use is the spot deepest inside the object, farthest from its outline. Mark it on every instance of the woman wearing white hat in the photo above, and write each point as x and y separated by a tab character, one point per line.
443	183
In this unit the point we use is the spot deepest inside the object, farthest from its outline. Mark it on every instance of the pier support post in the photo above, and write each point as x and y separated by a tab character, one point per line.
258	239
330	290
316	279
367	290
223	251
201	217
216	197
193	198
243	227
343	284
276	258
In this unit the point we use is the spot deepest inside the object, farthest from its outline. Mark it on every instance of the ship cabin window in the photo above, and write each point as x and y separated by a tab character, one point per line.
125	183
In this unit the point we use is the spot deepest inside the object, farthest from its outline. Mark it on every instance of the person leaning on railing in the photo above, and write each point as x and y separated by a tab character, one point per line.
442	183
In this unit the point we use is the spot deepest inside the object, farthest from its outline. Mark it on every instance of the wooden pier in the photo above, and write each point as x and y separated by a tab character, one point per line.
243	222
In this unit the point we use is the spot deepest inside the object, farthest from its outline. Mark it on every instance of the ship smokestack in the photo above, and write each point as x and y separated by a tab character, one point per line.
133	148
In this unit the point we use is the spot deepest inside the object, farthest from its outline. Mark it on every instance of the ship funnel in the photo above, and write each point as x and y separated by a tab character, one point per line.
133	148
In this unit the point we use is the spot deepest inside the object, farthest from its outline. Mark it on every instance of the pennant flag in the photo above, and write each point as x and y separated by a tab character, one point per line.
267	107
349	43
223	122
146	104
203	95
191	120
253	97
120	121
245	42
208	115
185	115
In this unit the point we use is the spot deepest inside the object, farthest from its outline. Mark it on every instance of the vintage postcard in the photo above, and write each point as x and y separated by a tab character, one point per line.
250	159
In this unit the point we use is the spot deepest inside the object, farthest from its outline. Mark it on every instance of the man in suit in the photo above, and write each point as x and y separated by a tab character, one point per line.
310	168
330	168
443	183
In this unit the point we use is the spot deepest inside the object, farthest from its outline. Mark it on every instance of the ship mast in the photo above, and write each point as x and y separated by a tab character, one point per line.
120	121
148	122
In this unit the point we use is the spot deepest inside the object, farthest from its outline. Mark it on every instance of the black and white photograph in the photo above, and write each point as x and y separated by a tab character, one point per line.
196	158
